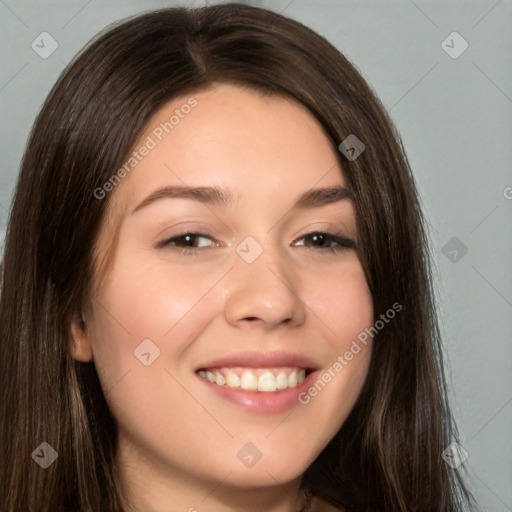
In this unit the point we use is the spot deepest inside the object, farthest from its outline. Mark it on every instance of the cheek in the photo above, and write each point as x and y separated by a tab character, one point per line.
149	314
344	308
342	302
151	300
140	302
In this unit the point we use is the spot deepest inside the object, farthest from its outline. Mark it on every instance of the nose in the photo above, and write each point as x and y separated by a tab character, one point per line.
263	292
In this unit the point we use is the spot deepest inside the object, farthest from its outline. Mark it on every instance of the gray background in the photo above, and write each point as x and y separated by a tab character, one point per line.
454	115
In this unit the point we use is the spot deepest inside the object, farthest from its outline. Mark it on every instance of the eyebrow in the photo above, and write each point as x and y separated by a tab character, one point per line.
216	196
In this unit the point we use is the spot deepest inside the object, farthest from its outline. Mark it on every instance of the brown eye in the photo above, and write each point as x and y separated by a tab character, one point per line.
327	241
186	242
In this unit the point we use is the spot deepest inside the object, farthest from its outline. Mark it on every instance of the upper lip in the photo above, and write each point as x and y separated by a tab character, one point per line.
261	360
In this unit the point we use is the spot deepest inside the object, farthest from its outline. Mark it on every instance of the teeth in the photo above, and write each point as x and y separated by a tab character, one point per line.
281	380
266	380
233	380
249	381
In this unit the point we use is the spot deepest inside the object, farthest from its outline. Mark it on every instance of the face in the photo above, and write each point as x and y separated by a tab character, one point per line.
248	279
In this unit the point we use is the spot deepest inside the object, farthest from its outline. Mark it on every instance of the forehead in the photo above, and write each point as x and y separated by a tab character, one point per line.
233	136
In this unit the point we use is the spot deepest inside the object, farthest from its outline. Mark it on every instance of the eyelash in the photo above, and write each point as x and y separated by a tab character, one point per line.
343	242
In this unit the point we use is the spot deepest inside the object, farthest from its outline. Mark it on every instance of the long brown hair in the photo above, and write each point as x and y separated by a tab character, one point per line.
387	455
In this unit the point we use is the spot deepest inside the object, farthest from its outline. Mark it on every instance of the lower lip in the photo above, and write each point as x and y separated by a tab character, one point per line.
263	402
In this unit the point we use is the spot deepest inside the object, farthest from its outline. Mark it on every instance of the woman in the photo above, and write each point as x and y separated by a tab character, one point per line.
289	361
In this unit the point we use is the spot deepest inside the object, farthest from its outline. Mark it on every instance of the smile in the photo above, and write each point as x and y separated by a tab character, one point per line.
251	379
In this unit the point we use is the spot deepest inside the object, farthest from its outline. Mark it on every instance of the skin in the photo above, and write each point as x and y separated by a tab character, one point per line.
177	440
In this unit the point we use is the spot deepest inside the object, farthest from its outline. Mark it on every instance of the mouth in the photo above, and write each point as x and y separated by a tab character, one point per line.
267	380
259	382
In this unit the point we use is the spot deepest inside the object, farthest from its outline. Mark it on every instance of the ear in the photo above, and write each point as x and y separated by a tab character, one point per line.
80	348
